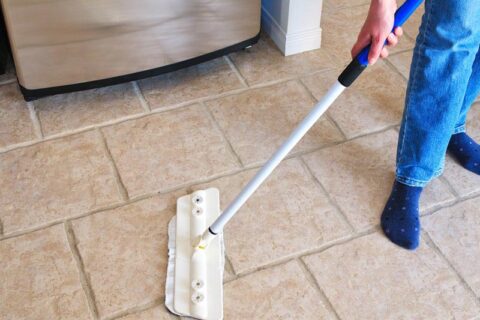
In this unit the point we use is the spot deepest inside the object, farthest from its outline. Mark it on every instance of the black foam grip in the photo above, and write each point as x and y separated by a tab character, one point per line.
351	72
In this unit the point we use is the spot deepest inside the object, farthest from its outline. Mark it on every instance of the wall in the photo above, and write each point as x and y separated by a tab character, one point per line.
294	25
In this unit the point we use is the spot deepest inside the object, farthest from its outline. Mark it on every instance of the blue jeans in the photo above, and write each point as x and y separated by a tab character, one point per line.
444	82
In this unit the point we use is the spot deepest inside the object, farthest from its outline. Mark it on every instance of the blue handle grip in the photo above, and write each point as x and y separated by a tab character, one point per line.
401	15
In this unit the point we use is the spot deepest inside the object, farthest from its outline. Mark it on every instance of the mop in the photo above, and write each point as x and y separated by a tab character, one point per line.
194	285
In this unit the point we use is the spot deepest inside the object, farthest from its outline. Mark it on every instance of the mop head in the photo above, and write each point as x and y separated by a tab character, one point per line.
194	284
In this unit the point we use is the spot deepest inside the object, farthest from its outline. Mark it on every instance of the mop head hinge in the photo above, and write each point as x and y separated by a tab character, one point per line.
205	240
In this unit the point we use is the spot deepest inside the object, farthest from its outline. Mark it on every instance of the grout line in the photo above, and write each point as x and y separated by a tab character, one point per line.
336	125
232	65
401	51
37	127
410	37
136	309
177	188
325	192
1	228
123	119
449	186
22	145
437	207
438	251
78	216
8	81
382	130
323	247
204	180
23	232
235	91
121	186
117	205
84	279
341	241
292	154
222	133
450	204
229	265
392	67
154	111
326	114
141	97
323	297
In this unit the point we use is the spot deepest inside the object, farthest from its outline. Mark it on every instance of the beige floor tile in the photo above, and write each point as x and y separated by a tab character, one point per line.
54	180
65	112
464	182
286	216
168	149
456	231
340	30
267	116
124	252
437	193
401	61
373	103
371	278
334	5
15	123
358	175
264	62
40	279
155	313
206	79
413	23
281	292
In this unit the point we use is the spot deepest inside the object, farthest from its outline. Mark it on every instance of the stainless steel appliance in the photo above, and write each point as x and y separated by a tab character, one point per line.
69	45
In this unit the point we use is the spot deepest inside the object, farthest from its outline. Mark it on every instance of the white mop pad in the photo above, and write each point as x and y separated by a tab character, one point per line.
169	283
170	280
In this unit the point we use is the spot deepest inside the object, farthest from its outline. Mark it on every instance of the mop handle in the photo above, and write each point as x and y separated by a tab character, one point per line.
348	76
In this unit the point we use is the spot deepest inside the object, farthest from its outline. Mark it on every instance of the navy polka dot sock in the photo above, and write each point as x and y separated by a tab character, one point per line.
466	151
399	220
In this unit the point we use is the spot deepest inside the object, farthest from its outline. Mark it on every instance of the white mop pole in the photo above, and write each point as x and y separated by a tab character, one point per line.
273	162
348	76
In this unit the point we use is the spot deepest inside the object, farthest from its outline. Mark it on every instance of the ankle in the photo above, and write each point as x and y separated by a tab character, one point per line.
406	192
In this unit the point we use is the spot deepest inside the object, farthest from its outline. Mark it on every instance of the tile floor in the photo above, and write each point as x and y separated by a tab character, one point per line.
89	182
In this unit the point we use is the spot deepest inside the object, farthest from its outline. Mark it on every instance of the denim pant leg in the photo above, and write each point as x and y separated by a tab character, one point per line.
473	90
441	68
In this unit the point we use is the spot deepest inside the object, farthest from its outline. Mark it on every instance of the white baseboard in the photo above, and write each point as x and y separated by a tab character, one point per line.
291	43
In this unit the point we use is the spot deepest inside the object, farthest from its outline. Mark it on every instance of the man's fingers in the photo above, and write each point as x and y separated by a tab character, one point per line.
398	31
375	49
377	44
362	42
392	40
384	53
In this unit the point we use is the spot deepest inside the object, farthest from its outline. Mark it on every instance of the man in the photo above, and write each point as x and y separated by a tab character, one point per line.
444	82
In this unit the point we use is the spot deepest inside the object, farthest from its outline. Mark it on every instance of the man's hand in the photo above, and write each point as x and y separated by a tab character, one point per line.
376	29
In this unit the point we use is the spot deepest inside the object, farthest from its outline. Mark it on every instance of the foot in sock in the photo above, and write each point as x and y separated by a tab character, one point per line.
466	151
400	218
